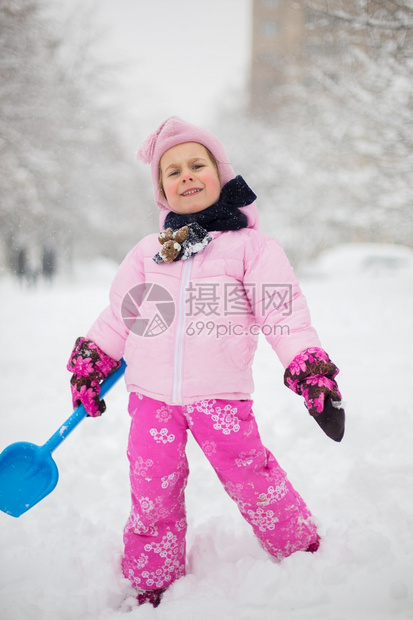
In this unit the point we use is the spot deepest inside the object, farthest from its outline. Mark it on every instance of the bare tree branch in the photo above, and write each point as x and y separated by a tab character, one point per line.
363	20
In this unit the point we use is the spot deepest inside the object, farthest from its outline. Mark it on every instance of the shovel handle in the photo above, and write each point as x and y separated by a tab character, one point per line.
80	413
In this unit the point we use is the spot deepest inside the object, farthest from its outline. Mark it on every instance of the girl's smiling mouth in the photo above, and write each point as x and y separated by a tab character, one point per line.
191	192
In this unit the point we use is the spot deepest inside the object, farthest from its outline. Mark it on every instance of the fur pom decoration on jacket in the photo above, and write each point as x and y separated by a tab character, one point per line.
181	244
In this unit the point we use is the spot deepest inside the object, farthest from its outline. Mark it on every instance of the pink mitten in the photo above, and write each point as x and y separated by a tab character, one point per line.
312	374
89	365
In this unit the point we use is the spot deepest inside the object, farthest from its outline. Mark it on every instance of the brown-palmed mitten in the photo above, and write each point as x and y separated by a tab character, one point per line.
89	365
312	374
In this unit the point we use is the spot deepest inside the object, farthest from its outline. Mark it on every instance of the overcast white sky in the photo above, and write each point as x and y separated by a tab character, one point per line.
178	57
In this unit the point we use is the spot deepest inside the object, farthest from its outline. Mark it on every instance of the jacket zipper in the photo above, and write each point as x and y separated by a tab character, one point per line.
180	332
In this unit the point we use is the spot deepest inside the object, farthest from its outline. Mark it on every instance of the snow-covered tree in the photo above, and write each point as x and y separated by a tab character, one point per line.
331	155
64	178
366	93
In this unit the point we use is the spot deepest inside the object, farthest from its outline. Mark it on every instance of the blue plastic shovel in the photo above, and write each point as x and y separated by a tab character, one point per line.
28	472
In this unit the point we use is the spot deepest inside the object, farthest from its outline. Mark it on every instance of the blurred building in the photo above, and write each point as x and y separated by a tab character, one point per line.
288	40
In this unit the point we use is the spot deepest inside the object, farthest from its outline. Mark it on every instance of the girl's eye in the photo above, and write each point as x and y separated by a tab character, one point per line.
174	173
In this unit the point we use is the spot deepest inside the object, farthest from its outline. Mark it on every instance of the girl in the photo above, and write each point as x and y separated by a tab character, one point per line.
185	312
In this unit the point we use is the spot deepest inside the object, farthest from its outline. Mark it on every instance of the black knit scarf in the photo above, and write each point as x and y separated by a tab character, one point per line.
224	214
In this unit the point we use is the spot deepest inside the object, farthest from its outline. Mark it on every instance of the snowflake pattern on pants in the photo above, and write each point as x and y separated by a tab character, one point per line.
273	494
137	526
247	458
142	467
162	436
164	413
169	550
265	520
225	418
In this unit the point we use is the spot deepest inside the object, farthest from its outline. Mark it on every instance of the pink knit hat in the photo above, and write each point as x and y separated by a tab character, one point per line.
175	131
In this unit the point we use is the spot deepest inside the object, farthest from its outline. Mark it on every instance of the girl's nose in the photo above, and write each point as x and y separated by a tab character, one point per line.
187	176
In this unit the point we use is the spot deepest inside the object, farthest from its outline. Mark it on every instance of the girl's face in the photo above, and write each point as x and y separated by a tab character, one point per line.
189	178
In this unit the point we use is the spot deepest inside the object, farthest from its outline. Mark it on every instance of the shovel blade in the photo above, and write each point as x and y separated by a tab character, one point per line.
27	475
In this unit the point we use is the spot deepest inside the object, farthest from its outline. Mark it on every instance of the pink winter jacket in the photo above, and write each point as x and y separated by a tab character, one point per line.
194	332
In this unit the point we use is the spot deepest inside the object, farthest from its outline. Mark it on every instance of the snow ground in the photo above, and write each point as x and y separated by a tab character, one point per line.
61	560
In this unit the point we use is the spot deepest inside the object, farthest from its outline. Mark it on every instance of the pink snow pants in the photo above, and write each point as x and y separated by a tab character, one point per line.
154	534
